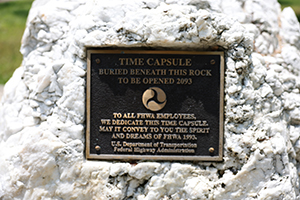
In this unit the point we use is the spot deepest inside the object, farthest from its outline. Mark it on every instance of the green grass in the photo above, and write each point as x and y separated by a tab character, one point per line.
13	17
295	4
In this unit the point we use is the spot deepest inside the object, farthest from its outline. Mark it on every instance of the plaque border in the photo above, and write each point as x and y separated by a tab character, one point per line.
89	156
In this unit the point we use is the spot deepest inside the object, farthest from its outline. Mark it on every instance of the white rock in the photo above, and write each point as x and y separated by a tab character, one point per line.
290	29
42	112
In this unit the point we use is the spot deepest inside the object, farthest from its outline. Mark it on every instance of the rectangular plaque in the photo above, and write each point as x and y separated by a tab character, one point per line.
154	105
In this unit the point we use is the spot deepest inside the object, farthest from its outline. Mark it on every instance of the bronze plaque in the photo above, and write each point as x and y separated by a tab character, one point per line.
154	105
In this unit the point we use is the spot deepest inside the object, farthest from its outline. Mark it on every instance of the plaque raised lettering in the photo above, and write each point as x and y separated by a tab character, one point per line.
154	105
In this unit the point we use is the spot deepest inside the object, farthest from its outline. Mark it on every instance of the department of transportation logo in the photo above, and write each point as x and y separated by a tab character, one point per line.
154	99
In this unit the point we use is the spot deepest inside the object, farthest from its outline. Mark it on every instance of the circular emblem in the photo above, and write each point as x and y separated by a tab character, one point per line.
154	99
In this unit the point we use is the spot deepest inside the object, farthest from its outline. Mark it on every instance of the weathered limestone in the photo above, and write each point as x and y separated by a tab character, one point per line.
42	113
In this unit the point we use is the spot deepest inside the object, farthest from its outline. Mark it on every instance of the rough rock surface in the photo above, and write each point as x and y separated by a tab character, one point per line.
42	113
1	91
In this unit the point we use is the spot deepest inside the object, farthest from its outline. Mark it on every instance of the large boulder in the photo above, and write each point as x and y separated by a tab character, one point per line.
42	113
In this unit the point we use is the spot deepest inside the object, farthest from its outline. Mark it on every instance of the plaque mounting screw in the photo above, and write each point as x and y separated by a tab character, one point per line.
97	148
212	62
211	150
98	60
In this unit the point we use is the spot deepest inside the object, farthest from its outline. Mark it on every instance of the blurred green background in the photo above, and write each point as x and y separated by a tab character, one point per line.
13	15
